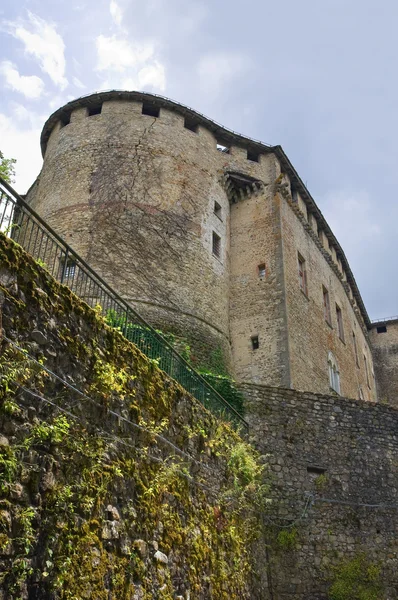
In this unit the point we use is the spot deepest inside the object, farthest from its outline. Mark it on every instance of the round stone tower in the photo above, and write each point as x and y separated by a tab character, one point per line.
138	186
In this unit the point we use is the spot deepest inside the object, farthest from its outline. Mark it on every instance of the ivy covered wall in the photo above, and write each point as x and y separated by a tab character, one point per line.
114	483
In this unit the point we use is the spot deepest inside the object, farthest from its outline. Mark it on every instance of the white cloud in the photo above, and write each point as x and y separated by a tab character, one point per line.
116	12
44	43
28	85
24	145
118	54
129	65
76	82
217	70
150	77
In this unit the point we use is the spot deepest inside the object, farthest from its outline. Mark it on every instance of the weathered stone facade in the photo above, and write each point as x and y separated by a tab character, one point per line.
201	230
335	483
384	341
115	483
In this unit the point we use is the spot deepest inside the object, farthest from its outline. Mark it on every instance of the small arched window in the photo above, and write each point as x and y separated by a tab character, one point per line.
334	375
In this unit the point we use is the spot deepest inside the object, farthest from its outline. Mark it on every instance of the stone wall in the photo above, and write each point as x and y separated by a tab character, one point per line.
257	300
334	464
311	338
384	342
114	483
135	196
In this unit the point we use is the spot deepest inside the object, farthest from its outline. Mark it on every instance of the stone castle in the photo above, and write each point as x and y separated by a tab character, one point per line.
213	236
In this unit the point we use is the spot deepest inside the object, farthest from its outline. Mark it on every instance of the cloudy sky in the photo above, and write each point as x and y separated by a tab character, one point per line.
319	78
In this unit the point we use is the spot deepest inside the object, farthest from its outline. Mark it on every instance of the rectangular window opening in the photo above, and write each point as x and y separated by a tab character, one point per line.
340	326
216	245
217	209
381	329
316	470
255	342
68	269
95	110
65	120
150	109
326	306
222	148
294	194
262	271
253	155
191	124
354	339
302	273
366	371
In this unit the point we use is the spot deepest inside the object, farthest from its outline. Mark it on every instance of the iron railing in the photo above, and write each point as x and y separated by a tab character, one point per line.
27	228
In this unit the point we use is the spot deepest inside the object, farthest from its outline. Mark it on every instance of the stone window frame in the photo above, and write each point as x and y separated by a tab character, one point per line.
326	306
365	362
334	373
302	274
216	245
354	340
340	324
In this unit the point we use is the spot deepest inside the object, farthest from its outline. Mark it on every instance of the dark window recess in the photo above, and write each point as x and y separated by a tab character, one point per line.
217	209
255	342
65	120
316	470
150	110
253	155
69	269
294	194
262	271
382	329
216	245
222	148
95	110
191	124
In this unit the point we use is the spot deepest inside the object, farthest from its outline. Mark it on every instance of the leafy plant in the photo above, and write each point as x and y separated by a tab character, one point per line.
7	168
287	538
356	579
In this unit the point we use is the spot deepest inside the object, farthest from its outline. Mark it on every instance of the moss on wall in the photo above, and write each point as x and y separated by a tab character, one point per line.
126	488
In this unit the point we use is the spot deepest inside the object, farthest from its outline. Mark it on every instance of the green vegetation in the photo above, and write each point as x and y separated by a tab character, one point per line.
287	539
7	168
59	472
144	338
356	579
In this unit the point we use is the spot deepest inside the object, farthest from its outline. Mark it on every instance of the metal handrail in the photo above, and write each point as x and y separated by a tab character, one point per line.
20	222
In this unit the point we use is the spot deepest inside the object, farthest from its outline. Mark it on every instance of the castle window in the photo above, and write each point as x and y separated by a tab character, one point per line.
262	271
217	209
150	110
191	124
95	110
354	339
340	326
216	245
334	375
255	342
294	194
223	148
312	470
253	155
65	120
381	329
326	306
302	273
366	370
68	269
